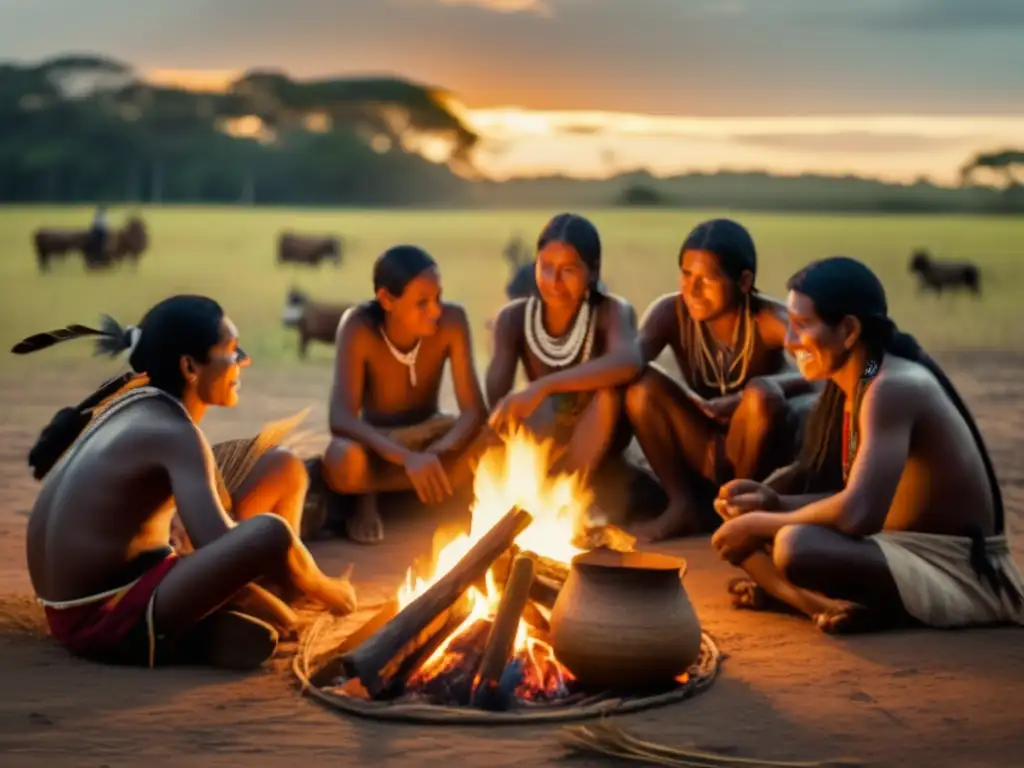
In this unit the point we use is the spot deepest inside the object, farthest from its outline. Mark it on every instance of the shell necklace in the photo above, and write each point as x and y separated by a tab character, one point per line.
408	359
575	346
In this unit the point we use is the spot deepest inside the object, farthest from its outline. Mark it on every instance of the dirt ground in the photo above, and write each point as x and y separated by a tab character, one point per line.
786	691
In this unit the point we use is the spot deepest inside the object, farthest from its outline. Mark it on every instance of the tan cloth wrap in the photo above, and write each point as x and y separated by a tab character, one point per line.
938	585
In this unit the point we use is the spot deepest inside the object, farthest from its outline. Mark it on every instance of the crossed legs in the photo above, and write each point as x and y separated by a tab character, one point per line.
844	585
264	545
683	444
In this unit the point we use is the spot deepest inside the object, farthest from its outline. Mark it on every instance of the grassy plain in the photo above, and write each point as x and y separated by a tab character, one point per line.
228	253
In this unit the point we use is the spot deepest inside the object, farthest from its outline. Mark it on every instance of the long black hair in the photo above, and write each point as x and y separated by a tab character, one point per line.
393	271
840	287
581	235
180	326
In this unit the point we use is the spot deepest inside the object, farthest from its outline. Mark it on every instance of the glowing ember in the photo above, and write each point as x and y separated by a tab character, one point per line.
515	475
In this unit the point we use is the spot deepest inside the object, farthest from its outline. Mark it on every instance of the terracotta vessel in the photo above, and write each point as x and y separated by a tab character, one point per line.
623	619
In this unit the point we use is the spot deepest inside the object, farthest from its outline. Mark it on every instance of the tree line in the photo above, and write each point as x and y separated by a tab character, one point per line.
89	129
86	129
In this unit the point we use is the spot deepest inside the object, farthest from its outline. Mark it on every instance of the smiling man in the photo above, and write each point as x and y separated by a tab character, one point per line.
117	467
901	520
738	408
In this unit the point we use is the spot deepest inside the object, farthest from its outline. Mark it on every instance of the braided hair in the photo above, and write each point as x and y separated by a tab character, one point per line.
180	326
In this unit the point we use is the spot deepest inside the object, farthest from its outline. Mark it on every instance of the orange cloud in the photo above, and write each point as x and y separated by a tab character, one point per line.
540	7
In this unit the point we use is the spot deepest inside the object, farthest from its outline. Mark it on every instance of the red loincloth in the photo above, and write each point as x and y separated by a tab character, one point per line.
98	628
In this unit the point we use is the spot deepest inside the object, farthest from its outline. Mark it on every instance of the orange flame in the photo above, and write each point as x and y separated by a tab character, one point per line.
513	475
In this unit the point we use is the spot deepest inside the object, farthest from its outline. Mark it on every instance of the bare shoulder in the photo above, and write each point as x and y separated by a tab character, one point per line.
661	310
617	306
454	316
355	328
510	317
165	430
772	320
900	389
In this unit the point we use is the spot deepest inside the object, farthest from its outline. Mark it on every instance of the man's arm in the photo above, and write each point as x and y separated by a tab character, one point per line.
501	371
347	392
886	423
192	471
657	326
472	412
620	364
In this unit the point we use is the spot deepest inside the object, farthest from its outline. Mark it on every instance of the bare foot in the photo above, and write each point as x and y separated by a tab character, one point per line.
673	522
748	595
364	525
849	619
338	595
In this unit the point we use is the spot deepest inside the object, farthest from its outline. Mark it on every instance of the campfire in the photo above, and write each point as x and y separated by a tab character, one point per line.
473	631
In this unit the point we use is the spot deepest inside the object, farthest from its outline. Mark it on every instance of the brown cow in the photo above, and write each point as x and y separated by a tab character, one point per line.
301	249
313	320
125	244
939	275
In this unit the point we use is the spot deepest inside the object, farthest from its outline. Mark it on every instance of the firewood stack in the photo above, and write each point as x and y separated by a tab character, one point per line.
479	667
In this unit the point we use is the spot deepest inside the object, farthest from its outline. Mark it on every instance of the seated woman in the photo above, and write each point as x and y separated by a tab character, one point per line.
898	516
578	348
388	434
117	467
739	409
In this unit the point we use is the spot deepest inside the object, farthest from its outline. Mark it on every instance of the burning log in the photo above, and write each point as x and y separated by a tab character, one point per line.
328	663
379	659
502	638
455	616
450	683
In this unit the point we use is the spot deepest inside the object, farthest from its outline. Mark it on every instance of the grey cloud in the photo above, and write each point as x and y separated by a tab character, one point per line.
691	57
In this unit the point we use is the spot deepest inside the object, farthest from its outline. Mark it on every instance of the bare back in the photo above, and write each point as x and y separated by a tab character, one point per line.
105	503
943	487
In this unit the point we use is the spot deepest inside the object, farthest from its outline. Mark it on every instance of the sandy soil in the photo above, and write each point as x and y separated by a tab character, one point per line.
786	692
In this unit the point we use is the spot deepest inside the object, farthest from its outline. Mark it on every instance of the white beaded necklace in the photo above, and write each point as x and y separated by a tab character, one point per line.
408	359
575	346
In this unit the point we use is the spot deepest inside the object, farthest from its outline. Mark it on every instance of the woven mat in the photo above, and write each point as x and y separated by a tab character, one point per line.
323	635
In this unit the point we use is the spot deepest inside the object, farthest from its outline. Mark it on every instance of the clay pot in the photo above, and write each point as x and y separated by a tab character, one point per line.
623	620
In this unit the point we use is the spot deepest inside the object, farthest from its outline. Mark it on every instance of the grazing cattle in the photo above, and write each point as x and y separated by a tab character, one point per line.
301	249
942	275
125	244
314	321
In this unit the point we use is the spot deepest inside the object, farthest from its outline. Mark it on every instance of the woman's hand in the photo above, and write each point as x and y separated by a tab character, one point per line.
516	408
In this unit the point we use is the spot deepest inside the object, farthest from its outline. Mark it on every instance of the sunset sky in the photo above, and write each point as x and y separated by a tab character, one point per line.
888	88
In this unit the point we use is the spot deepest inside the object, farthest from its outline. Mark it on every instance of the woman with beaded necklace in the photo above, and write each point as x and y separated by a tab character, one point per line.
739	408
577	345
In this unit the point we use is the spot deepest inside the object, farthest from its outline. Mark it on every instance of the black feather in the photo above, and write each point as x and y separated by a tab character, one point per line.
38	341
114	338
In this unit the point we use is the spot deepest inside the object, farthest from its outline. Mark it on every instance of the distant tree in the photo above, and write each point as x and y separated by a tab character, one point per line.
641	195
